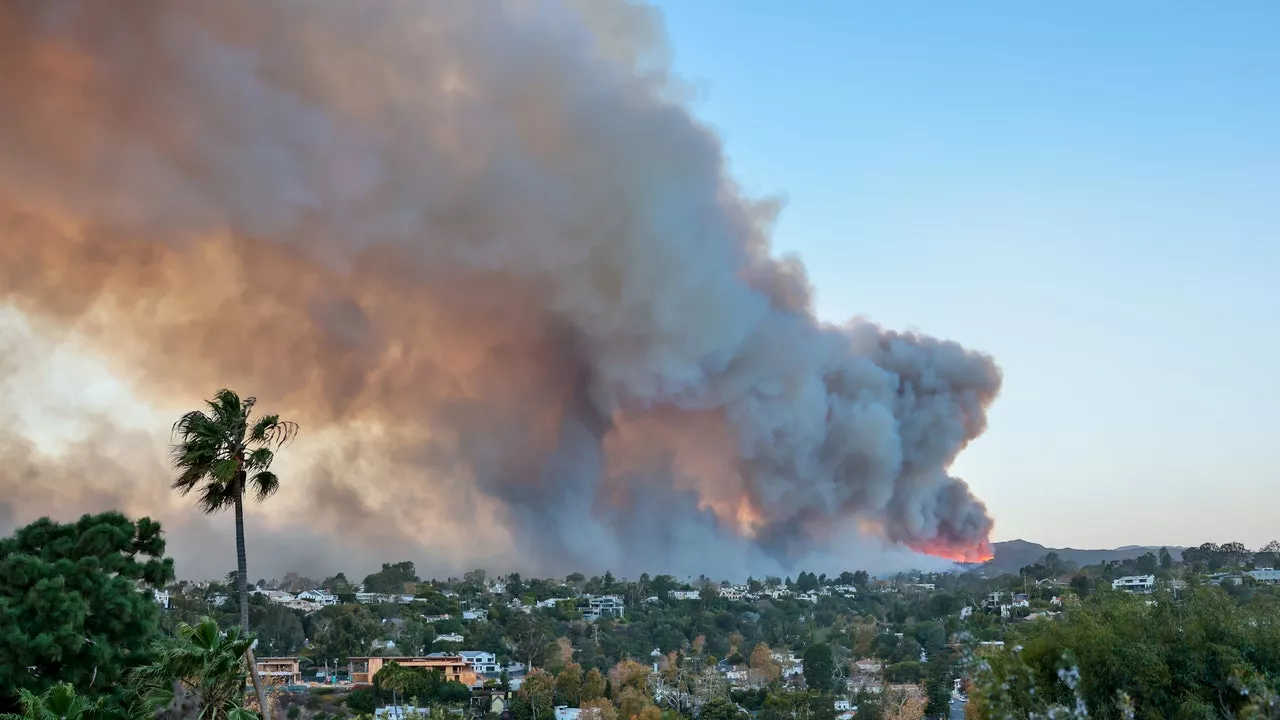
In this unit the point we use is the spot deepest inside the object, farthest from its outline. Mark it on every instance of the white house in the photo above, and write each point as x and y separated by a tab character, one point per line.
482	663
319	597
966	611
734	592
162	597
480	614
603	606
1135	583
551	602
685	594
567	713
449	637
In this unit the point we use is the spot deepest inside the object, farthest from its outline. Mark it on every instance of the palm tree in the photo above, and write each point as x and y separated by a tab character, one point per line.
59	702
203	667
224	454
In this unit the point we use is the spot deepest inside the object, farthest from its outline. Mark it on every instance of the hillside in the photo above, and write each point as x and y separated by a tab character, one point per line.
1012	555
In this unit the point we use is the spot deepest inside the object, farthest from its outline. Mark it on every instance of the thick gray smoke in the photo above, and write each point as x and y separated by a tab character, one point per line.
486	259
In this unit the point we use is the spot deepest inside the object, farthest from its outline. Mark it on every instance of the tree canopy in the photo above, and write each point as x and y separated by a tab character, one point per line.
76	603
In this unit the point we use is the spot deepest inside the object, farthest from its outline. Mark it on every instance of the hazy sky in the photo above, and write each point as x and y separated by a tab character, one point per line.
1089	191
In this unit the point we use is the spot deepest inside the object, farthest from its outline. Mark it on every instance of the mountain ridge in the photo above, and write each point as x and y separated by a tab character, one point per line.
1013	555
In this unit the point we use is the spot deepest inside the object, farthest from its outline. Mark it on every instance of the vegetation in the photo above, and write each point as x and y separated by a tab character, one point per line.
81	637
76	605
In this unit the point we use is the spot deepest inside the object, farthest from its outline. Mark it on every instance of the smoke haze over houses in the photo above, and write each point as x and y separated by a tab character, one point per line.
483	256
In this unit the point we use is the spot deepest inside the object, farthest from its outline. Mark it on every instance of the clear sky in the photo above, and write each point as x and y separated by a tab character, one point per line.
1089	191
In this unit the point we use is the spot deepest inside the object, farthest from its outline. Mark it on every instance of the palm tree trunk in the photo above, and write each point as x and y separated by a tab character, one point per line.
242	573
242	579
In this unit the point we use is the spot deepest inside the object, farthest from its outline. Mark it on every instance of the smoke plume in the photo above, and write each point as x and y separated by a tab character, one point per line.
483	255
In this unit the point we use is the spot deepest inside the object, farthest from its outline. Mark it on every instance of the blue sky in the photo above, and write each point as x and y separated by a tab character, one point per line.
1088	191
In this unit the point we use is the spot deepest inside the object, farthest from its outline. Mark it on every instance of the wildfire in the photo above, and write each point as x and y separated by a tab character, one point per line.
979	553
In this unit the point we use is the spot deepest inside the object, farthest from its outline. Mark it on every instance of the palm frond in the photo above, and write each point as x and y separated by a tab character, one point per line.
259	459
271	430
215	496
264	484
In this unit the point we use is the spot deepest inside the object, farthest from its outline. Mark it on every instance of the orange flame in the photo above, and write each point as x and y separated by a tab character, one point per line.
978	553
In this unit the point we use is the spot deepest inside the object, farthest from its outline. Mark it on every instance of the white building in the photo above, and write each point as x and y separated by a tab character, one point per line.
482	663
966	611
603	606
567	713
1135	583
319	597
1267	576
685	595
162	597
481	614
449	637
551	602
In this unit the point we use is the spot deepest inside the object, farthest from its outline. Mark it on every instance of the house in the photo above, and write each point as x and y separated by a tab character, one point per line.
841	705
564	712
217	600
449	637
603	606
966	611
319	597
451	667
1135	583
397	712
280	670
480	614
551	602
735	592
161	597
1021	601
685	595
482	663
1266	576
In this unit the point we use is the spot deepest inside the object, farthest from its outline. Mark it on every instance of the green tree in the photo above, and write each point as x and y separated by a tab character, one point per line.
280	631
76	603
937	686
1166	559
225	453
1147	564
343	631
720	710
203	660
819	667
391	579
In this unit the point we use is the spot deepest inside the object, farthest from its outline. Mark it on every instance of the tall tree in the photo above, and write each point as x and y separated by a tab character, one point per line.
224	453
819	667
76	603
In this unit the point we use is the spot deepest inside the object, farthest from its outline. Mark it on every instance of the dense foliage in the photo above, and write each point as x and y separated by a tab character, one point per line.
76	604
1157	657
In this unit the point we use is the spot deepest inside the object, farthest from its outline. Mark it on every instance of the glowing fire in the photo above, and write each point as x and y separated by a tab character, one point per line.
977	554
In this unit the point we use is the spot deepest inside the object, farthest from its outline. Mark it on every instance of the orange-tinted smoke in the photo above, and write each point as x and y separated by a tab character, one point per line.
482	249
